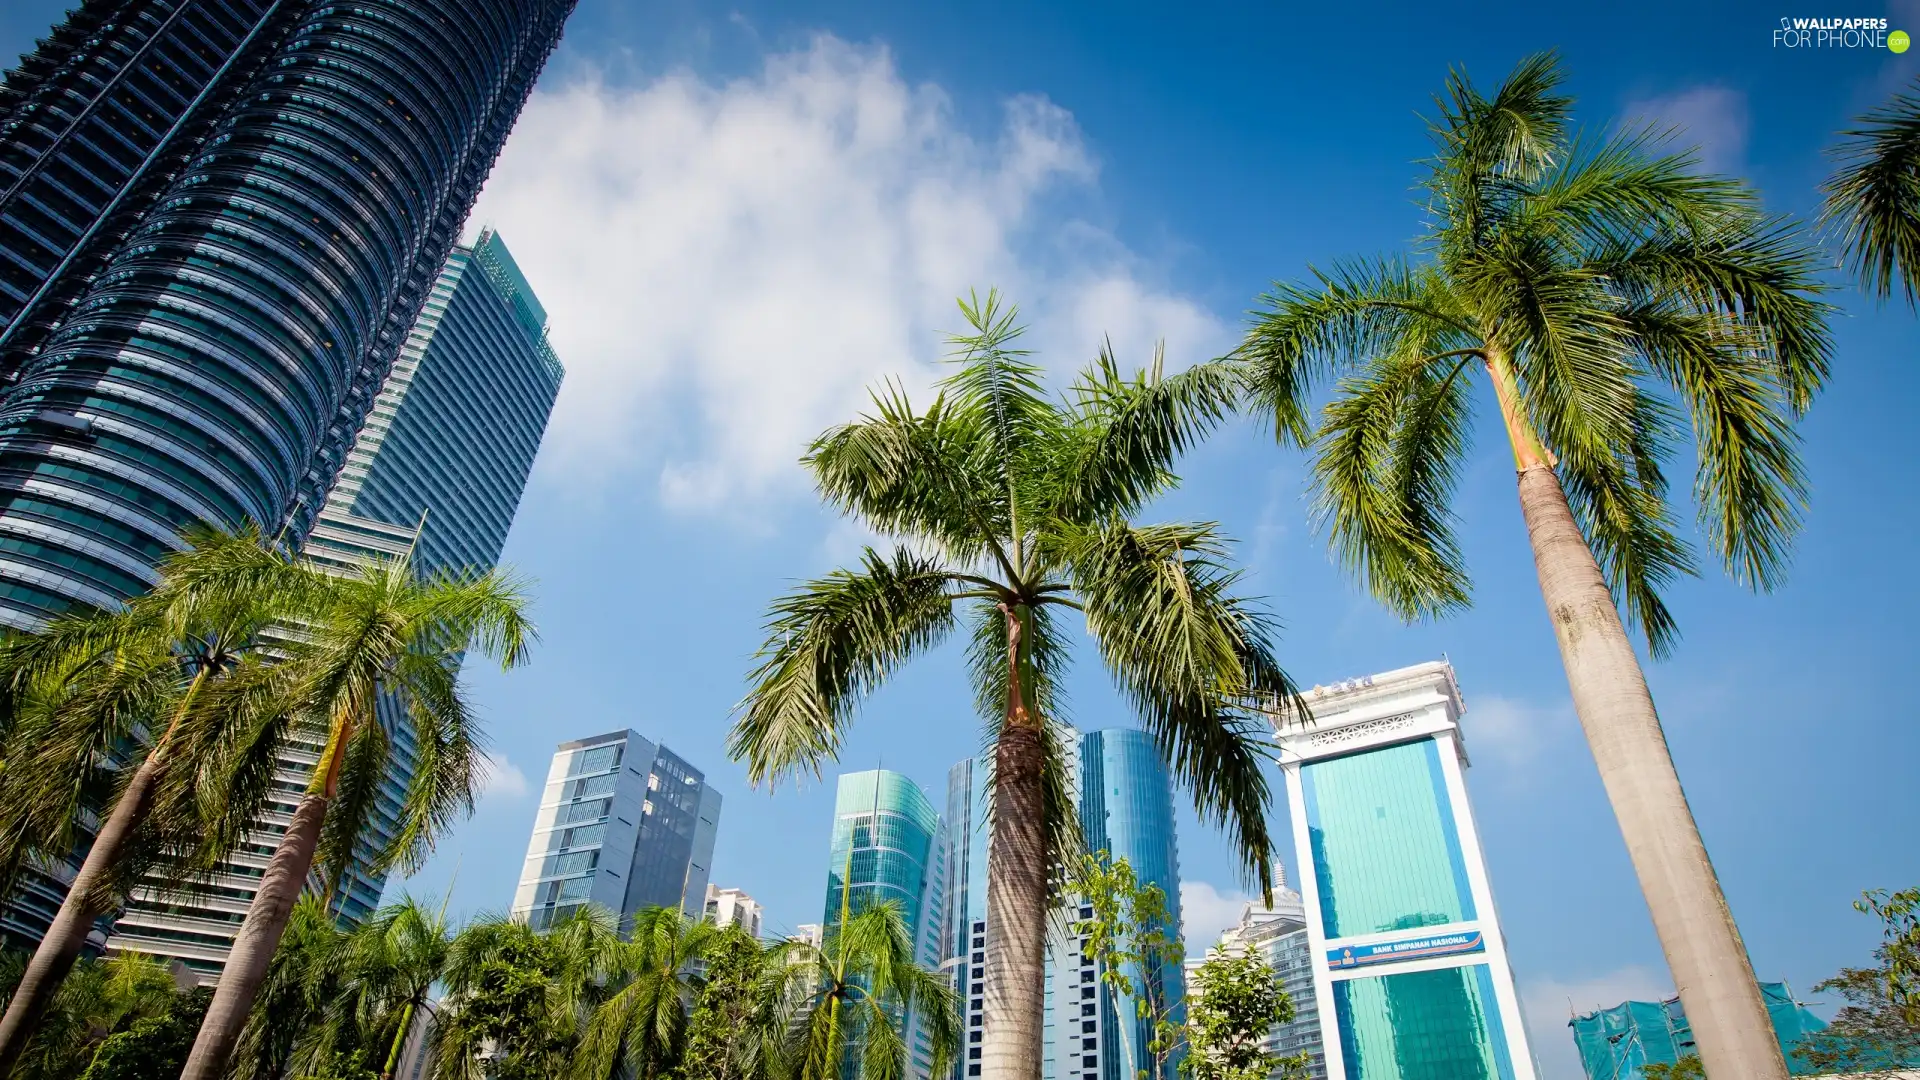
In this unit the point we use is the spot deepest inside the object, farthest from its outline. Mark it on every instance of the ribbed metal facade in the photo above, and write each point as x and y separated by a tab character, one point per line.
220	363
436	473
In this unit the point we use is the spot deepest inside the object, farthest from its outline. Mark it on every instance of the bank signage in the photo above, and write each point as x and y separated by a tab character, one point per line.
1420	948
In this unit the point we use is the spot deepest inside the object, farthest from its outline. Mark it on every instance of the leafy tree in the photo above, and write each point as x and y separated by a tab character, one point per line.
180	662
1687	1068
1135	945
519	1000
640	1029
1609	294
1013	509
1873	199
1234	1000
735	1030
849	996
1878	1029
155	1046
386	635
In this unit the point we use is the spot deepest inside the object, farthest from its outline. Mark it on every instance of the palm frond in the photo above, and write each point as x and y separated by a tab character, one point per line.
1873	199
1195	661
343	836
829	643
1388	459
1125	434
448	754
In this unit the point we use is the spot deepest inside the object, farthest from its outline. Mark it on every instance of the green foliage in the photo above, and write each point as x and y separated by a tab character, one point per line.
1132	938
519	1000
154	1046
735	1029
1234	999
1687	1068
1878	1029
99	999
1620	300
1873	198
1011	505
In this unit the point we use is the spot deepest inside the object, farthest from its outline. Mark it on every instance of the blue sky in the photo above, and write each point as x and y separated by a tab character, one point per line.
741	216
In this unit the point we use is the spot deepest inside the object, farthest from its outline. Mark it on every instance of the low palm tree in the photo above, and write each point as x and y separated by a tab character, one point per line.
303	983
851	994
640	1029
388	969
155	688
1608	293
384	636
100	998
1873	199
1012	510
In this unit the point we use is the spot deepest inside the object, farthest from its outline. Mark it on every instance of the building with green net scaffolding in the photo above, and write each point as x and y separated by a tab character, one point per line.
1619	1043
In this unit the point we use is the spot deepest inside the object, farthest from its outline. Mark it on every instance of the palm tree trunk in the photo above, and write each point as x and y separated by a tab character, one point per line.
1708	961
67	935
1016	890
259	936
399	1042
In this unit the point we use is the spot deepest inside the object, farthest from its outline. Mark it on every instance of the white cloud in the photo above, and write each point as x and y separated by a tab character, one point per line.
502	779
1550	1003
1713	119
1510	732
1205	912
730	266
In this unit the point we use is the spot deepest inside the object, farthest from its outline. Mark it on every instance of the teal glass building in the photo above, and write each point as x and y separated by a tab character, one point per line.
1410	968
889	844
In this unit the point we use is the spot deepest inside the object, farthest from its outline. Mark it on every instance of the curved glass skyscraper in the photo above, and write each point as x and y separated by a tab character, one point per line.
211	357
888	845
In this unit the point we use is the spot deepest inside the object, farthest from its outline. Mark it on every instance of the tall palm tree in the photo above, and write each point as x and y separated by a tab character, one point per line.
1873	200
640	1029
852	992
158	686
1012	509
1608	293
303	983
385	635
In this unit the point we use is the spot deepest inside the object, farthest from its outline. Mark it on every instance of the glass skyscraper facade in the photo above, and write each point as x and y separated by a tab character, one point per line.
435	474
218	222
889	845
1399	912
1123	796
624	824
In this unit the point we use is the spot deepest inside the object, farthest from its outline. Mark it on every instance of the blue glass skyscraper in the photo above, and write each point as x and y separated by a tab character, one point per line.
436	472
218	222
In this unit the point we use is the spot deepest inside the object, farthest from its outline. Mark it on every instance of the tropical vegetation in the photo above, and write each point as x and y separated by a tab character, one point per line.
1234	1000
1876	1031
1873	198
1619	303
1133	940
1008	511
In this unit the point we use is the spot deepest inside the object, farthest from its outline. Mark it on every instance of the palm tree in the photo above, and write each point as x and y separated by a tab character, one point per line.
640	1029
853	992
302	985
102	996
383	636
1014	509
1607	291
177	662
1873	200
389	968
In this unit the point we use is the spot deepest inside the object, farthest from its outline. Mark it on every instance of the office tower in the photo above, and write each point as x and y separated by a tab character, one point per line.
731	907
1619	1043
200	315
435	474
1278	935
624	824
888	845
1406	944
1124	796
